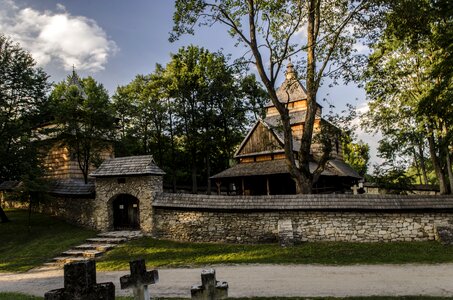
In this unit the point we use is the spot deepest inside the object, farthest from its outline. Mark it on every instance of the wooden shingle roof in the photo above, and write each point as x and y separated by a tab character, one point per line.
9	185
128	166
304	202
72	188
335	167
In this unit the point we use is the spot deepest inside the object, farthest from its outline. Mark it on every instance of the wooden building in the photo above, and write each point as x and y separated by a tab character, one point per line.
260	160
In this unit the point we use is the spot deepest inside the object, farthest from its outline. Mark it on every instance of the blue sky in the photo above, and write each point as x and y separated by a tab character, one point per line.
114	40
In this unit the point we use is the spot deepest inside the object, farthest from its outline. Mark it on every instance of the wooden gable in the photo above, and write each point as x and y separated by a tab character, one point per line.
259	140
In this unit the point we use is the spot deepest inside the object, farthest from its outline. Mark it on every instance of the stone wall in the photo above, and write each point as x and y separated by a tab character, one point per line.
254	219
262	227
78	211
144	188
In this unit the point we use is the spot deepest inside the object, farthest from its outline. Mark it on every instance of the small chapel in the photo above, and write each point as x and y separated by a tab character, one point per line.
260	167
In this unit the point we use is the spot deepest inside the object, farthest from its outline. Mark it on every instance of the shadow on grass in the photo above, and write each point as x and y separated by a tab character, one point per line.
160	253
22	249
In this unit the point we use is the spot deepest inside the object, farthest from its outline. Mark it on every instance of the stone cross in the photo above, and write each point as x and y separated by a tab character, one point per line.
80	284
139	279
355	189
210	288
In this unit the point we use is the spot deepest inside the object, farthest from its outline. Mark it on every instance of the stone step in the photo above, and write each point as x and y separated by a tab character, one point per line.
106	240
98	247
61	260
121	234
83	253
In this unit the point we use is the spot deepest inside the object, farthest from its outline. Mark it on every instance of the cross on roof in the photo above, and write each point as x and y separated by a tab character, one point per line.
139	279
80	283
210	288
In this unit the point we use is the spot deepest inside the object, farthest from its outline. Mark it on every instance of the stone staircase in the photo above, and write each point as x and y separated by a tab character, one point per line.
93	247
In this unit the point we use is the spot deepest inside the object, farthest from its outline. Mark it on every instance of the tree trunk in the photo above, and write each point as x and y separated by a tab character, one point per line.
422	163
306	179
436	164
3	216
450	173
417	166
208	174
194	176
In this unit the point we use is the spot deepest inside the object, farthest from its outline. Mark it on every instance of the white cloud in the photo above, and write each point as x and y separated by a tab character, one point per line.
57	37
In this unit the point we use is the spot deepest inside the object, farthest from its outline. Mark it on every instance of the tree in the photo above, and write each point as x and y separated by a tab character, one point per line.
270	29
410	85
84	118
357	155
209	115
23	89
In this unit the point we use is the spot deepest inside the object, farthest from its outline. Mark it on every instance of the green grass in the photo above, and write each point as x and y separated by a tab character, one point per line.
15	296
22	249
161	253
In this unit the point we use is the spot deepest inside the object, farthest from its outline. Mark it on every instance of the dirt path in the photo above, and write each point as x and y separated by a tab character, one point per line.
272	280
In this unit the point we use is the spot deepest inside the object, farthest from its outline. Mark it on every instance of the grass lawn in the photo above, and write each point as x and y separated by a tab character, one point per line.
160	253
15	296
22	249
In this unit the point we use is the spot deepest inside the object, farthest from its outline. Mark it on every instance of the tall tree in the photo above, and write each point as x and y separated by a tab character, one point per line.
23	89
410	85
271	30
84	117
211	105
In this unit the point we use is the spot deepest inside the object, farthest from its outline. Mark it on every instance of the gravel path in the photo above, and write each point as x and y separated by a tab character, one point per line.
271	280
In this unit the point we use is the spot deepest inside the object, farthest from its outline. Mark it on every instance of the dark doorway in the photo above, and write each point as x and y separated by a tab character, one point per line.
125	212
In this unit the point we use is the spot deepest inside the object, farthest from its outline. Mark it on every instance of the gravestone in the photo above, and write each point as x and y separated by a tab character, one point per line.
139	279
210	288
285	233
80	284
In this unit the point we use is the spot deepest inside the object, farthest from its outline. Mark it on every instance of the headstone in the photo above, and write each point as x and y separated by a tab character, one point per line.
210	288
139	279
80	284
285	233
355	189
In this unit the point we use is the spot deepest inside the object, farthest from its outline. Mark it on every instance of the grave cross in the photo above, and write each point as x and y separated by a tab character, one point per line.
80	284
210	288
139	279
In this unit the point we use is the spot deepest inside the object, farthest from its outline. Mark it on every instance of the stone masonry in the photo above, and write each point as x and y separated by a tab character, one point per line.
309	226
144	188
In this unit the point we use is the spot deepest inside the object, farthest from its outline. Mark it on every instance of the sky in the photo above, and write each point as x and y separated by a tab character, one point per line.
115	40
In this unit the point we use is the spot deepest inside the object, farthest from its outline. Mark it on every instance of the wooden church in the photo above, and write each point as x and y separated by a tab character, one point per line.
260	160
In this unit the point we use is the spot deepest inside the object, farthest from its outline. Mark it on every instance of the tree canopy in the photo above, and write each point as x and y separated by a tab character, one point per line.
272	31
84	119
409	83
197	106
23	89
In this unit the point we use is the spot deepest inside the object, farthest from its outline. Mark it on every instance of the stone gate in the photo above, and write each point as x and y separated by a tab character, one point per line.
125	189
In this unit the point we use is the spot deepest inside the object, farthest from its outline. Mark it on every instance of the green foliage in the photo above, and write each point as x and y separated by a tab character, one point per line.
357	155
23	99
410	85
23	249
197	107
84	119
271	31
393	179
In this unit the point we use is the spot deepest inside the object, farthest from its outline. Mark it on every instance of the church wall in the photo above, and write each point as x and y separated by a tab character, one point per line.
58	162
261	140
